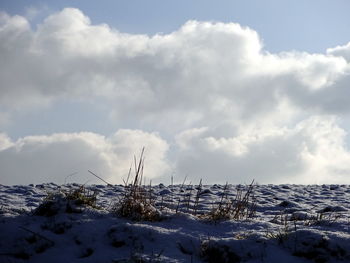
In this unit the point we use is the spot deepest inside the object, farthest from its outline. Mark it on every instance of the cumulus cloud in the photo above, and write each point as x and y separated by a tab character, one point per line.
340	51
201	65
5	141
226	106
313	151
36	159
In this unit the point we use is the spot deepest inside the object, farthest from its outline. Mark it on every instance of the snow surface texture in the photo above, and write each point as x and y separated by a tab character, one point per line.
292	223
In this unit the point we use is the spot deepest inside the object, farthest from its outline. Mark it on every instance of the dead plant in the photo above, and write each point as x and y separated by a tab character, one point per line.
72	201
137	202
243	206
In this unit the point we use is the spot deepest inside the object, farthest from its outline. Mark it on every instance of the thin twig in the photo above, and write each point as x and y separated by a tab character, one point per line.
65	179
100	178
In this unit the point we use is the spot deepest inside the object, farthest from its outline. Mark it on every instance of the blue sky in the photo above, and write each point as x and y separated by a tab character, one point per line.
224	91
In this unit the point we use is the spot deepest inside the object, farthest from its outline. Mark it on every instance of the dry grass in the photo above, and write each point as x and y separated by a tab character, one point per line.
138	202
241	207
321	218
71	201
285	231
82	196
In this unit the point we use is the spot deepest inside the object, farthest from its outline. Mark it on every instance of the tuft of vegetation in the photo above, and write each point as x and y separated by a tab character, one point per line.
284	232
138	202
323	218
243	206
82	197
71	201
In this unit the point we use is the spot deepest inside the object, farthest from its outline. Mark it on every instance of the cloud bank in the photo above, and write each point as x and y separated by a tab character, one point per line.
220	106
53	158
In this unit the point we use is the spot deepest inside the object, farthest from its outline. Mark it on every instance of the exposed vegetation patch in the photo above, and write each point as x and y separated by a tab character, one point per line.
242	206
138	202
72	201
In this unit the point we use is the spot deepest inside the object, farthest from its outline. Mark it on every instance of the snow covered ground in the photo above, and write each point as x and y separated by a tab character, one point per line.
291	223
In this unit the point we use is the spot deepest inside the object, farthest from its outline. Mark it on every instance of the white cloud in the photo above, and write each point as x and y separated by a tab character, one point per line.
255	108
324	151
340	51
193	70
36	159
5	142
313	151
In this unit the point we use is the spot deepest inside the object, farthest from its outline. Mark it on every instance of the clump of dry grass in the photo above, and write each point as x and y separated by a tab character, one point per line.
82	196
138	202
243	206
196	202
71	201
285	231
323	218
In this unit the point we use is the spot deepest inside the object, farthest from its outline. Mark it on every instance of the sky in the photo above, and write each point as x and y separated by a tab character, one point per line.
220	91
